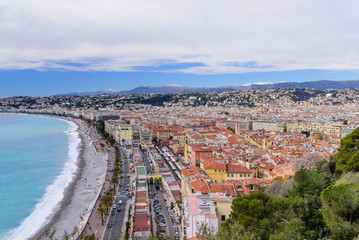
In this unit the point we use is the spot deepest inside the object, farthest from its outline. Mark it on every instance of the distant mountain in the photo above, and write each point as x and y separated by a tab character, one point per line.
174	88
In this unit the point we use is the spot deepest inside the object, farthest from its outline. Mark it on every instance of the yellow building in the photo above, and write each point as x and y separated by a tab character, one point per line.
216	170
324	129
124	133
237	172
181	138
223	207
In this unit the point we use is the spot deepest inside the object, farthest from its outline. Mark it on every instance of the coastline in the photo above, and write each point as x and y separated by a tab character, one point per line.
81	192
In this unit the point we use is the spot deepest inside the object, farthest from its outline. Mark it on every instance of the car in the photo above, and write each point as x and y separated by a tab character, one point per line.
162	224
120	202
112	212
109	225
118	209
114	206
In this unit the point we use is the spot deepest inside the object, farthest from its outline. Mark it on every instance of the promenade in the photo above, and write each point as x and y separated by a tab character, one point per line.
94	222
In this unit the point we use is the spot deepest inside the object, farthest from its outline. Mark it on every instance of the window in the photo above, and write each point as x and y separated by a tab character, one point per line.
227	174
240	175
232	175
223	218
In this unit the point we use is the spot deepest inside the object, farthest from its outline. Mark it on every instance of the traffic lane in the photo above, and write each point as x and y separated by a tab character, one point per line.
117	219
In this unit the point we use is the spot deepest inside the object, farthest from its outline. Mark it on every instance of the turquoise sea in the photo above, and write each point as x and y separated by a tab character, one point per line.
37	161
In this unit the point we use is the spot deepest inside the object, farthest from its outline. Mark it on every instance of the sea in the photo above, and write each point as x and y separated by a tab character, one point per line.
37	162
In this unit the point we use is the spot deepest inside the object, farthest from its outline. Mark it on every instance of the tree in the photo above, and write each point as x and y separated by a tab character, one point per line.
279	188
341	210
309	185
307	133
348	153
307	182
106	201
114	181
233	230
101	211
205	232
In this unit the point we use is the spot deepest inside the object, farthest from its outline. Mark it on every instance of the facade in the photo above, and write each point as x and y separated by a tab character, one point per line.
237	172
269	126
243	125
194	153
124	134
198	210
223	207
347	130
326	130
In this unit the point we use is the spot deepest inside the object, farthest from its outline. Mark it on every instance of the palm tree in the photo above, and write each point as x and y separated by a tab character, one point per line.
100	212
116	170
114	181
111	192
107	201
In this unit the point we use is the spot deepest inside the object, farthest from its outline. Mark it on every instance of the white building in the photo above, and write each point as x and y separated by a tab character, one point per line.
347	130
198	210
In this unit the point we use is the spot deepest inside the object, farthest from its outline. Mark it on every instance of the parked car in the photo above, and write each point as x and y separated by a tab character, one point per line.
113	212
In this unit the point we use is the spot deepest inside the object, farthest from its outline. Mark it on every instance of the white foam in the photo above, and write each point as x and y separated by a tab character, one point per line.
50	202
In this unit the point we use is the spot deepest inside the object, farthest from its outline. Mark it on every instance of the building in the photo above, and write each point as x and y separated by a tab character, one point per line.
194	153
237	172
243	125
199	210
124	134
269	126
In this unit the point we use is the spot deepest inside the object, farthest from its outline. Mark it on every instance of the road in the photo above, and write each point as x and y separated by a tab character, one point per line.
147	163
159	196
117	220
169	224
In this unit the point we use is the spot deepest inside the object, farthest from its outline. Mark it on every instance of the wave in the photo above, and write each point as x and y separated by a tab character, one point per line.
50	202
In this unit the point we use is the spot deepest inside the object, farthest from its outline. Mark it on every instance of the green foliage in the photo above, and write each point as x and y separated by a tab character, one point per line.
348	152
327	171
233	230
268	217
308	182
307	133
341	210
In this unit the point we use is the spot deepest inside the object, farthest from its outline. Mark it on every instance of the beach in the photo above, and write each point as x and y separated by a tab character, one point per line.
81	193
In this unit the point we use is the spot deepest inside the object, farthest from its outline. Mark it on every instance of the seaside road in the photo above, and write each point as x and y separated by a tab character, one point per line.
118	220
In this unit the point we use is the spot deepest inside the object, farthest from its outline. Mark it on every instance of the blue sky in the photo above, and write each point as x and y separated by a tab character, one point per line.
89	45
45	83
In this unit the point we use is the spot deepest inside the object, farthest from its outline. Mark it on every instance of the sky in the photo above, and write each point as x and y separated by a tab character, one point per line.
54	47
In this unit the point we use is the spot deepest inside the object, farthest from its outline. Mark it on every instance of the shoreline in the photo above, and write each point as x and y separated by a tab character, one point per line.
81	192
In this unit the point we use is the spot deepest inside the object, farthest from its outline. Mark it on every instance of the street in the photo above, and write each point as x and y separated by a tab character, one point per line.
117	220
159	196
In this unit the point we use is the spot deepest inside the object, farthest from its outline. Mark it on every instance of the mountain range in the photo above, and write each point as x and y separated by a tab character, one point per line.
174	88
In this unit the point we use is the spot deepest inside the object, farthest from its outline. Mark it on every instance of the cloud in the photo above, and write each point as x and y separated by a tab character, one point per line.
201	37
